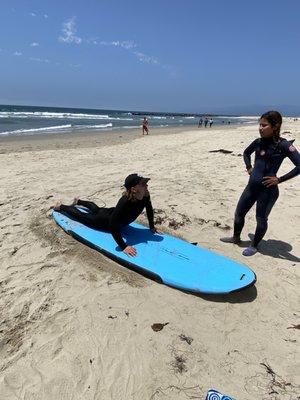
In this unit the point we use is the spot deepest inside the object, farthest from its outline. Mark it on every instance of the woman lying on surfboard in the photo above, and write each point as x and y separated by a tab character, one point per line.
129	207
270	150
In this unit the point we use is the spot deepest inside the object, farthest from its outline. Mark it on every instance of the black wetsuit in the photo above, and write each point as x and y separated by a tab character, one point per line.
268	158
112	219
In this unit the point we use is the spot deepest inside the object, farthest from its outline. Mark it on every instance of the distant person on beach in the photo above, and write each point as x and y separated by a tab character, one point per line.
270	151
200	122
129	207
205	122
211	122
145	126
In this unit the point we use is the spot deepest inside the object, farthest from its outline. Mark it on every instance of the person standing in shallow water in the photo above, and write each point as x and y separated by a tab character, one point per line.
270	150
145	126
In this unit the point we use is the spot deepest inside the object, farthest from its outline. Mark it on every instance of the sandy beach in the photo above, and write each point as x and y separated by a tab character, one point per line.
75	325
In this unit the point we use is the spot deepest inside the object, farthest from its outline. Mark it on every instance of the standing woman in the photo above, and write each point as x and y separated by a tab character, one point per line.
270	150
129	207
145	126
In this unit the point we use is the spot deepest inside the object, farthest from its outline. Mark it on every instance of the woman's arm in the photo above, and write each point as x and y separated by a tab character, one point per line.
247	153
115	222
150	213
292	153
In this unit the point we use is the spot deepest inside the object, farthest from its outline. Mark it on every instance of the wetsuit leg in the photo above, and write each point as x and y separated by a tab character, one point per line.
265	202
246	201
80	216
89	204
96	220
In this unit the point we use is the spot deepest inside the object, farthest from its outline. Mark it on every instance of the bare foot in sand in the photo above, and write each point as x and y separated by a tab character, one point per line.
75	201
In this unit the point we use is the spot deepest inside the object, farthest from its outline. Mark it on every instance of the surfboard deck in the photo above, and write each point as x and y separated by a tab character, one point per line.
166	258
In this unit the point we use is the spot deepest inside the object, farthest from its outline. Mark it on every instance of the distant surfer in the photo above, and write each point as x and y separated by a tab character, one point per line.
270	151
129	207
145	126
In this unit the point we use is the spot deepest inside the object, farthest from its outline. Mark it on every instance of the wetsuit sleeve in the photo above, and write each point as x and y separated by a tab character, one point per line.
292	153
115	223
150	213
247	153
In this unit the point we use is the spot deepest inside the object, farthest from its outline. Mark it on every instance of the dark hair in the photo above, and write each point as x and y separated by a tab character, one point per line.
275	120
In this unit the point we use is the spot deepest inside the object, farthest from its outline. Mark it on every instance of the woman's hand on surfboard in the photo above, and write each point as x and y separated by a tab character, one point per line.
130	251
269	181
249	170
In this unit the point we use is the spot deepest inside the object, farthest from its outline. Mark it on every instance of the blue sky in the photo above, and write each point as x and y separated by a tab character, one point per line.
157	55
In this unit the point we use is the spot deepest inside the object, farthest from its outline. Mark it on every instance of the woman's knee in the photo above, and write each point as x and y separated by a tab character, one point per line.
262	221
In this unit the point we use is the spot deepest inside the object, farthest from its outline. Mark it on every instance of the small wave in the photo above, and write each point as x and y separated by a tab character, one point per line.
121	119
109	125
47	128
51	115
158	117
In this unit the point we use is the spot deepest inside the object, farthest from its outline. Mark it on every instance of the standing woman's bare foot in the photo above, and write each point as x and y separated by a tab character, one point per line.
75	201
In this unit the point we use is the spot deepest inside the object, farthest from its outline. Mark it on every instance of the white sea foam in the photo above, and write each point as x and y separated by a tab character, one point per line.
109	125
121	119
50	115
37	114
47	128
245	117
57	128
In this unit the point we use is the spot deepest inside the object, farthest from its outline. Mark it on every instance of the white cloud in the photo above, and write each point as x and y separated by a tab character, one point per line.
125	44
142	57
17	53
34	44
45	60
92	40
33	14
146	59
69	31
69	36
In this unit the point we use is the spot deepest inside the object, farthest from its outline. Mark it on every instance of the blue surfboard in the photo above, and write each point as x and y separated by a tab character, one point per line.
167	259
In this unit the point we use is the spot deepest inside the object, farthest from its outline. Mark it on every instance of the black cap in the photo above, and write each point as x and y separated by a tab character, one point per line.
133	180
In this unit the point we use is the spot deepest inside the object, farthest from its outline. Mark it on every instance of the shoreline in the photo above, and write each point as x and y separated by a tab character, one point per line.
88	139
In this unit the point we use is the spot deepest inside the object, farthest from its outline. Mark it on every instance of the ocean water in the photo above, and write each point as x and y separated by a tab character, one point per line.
28	120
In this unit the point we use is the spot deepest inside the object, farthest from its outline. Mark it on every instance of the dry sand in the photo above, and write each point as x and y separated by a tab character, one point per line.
74	325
